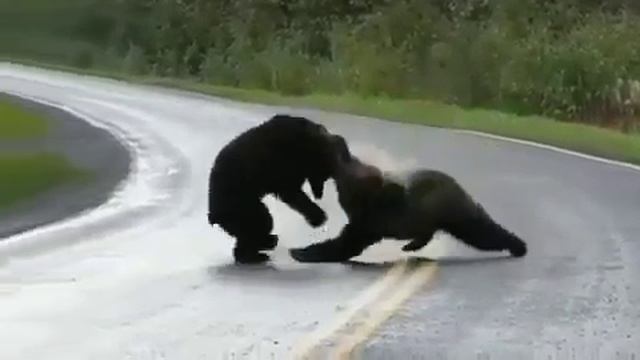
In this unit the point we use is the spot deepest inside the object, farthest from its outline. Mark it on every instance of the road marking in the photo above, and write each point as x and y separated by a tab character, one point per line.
305	348
549	147
383	310
376	305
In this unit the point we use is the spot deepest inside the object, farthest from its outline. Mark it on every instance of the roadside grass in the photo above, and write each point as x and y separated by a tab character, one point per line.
583	138
23	176
587	139
18	124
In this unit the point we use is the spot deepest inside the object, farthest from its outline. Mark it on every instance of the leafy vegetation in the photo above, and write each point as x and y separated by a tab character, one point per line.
591	140
411	60
573	59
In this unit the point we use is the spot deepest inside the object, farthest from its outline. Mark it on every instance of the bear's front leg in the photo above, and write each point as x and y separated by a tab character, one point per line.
300	202
351	242
317	187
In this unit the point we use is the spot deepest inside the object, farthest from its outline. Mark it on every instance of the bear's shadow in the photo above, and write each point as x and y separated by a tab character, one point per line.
304	273
270	273
442	261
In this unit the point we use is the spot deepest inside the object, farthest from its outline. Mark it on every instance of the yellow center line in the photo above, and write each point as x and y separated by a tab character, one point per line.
381	311
374	306
305	348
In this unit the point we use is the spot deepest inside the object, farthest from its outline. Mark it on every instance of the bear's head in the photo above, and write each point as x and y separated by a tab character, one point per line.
363	189
318	149
330	151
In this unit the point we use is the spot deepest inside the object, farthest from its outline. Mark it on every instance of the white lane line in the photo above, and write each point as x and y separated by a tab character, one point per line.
549	147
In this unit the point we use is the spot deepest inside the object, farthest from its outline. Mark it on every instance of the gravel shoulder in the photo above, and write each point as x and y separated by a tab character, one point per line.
86	147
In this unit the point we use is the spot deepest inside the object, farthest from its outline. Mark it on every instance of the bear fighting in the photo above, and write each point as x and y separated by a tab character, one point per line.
275	157
378	207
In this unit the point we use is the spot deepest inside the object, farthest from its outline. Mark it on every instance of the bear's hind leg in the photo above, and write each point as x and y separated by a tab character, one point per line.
477	229
420	241
251	224
248	254
268	242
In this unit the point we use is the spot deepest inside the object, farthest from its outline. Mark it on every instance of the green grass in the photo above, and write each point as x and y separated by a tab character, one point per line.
17	123
24	176
583	138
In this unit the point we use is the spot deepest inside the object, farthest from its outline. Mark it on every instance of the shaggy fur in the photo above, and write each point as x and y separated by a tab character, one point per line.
378	207
275	157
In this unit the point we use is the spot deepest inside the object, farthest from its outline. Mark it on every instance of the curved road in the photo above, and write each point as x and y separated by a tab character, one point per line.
144	277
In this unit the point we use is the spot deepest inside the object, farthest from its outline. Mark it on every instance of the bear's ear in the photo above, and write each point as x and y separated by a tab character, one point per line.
340	148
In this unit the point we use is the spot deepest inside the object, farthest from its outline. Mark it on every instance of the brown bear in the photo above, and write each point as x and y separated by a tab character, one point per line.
377	207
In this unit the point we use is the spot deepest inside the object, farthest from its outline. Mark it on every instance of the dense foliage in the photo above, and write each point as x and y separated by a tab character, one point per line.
572	59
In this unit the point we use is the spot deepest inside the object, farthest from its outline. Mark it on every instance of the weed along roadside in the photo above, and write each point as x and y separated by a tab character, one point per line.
471	68
25	173
575	136
47	170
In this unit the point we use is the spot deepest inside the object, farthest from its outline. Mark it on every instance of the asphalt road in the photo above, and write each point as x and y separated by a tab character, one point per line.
144	277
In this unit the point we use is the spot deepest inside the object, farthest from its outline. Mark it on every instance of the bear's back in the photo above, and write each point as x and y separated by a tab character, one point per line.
276	153
435	195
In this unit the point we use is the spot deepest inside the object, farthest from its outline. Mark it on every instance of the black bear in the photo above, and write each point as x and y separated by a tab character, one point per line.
426	201
275	157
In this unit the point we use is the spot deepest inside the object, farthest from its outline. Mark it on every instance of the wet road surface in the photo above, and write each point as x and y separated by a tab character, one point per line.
144	277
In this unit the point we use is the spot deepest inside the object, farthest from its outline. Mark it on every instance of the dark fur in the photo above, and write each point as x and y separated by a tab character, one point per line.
275	157
378	208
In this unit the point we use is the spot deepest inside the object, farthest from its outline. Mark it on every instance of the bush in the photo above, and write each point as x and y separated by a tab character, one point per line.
572	59
574	76
291	74
82	59
217	70
330	77
134	62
